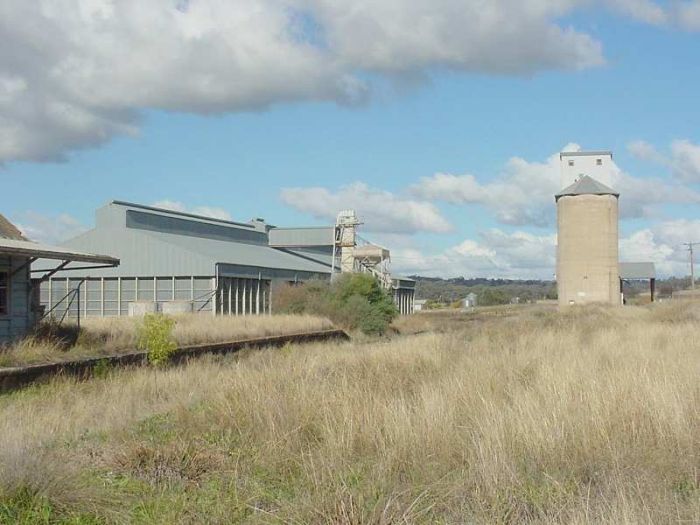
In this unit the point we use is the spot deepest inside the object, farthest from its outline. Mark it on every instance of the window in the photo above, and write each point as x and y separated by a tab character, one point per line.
571	163
599	162
4	296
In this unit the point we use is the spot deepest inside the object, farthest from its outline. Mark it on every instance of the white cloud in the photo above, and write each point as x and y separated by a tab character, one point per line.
522	255
74	73
662	244
683	158
501	36
205	211
643	10
687	14
496	253
49	229
381	211
684	14
645	151
523	193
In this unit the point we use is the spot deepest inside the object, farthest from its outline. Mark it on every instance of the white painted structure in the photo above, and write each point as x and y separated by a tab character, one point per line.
596	164
419	305
470	301
346	239
351	257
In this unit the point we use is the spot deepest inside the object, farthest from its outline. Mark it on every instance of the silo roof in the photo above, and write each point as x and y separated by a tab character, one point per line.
586	186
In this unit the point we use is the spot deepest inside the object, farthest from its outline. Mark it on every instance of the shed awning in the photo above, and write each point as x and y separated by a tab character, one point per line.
32	249
637	270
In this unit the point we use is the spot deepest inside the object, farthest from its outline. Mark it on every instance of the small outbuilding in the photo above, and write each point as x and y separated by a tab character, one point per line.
19	291
470	301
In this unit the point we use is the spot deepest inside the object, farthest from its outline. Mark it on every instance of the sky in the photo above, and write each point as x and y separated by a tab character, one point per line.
439	121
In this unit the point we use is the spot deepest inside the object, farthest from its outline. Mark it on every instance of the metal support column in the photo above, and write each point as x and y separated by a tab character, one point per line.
257	298
243	308
250	296
238	285
230	284
213	296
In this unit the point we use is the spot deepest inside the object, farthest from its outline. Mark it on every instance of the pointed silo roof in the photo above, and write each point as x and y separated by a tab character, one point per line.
586	186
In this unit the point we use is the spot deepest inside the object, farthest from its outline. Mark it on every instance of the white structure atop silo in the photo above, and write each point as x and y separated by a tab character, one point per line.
587	247
596	164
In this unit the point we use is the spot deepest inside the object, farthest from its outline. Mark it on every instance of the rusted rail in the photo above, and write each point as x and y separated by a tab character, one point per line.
12	378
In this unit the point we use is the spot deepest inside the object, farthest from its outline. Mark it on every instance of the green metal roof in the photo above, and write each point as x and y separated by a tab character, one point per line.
586	186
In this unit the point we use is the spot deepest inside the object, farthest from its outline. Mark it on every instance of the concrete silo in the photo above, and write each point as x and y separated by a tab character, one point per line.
587	248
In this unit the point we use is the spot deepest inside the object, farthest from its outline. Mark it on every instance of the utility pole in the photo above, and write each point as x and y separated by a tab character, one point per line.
690	246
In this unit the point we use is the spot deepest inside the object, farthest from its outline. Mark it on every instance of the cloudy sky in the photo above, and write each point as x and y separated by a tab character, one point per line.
440	121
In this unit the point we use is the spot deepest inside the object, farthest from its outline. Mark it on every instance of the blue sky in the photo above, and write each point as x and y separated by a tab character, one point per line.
284	142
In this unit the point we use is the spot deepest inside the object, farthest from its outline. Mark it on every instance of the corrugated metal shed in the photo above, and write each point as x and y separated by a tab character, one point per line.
301	237
637	270
154	242
586	186
149	253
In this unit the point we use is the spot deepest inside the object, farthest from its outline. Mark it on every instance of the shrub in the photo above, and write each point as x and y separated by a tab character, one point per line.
155	335
490	297
353	301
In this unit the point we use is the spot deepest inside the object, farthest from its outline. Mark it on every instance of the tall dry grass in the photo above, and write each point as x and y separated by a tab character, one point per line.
591	416
100	336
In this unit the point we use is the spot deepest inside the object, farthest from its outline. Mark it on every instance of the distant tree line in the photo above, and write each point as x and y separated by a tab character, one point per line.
442	292
449	292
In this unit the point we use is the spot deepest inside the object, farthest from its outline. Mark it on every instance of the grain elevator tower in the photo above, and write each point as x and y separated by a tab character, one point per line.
587	247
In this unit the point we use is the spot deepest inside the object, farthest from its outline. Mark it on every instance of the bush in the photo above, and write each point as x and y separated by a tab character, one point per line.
353	301
490	297
155	335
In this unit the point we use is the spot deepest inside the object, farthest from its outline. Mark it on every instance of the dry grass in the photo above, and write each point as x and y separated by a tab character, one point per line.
586	417
113	335
450	320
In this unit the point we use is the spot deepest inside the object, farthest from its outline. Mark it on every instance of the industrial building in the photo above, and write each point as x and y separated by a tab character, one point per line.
178	262
19	304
